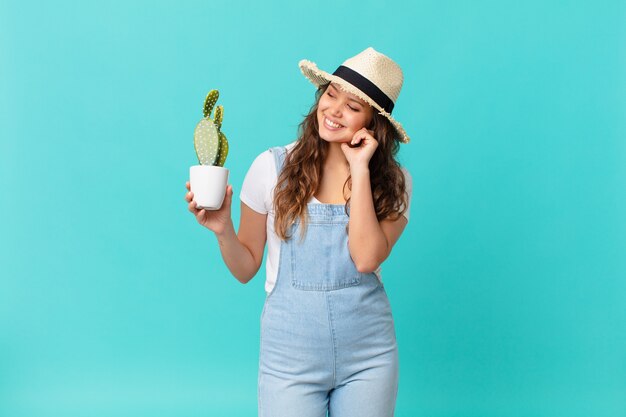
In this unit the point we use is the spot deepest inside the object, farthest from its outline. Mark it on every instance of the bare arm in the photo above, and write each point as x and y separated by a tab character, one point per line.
369	241
243	252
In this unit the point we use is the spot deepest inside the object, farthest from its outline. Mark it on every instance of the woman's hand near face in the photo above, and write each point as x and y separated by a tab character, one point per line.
359	156
214	220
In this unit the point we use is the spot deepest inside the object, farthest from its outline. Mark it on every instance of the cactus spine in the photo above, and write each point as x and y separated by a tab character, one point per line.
209	141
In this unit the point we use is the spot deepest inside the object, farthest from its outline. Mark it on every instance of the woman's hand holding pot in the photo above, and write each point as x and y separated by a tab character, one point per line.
214	220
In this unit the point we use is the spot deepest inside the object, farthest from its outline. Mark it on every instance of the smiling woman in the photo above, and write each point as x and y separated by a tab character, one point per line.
341	114
326	316
335	120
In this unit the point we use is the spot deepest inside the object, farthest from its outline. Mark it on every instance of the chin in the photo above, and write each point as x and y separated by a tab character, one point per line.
332	139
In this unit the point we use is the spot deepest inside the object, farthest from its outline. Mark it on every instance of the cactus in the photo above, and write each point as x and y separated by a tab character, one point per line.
209	141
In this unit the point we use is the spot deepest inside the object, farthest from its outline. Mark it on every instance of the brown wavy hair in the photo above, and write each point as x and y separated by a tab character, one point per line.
302	172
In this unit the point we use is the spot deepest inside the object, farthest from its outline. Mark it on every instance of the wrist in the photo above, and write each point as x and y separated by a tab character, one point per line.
226	232
359	170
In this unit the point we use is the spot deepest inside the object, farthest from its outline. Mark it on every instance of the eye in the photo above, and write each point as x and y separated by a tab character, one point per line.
329	93
353	109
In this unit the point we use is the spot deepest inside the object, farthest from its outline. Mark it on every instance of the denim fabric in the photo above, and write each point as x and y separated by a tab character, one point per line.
328	342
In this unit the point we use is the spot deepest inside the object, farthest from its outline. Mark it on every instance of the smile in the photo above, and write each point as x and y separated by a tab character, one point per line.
331	125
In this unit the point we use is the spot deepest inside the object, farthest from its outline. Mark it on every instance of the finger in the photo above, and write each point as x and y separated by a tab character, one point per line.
229	195
356	139
192	207
187	185
189	196
362	136
361	133
367	131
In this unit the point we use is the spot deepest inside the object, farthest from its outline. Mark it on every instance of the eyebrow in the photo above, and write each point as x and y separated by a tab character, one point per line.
349	98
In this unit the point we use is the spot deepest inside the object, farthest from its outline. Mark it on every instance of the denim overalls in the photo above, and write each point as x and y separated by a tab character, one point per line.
327	335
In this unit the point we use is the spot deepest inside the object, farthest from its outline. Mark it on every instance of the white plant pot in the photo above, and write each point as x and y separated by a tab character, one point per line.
208	185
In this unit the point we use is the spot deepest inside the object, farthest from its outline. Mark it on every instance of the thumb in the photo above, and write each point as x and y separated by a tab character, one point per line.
229	193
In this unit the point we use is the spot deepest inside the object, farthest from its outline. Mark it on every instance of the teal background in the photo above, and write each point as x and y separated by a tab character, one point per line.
508	285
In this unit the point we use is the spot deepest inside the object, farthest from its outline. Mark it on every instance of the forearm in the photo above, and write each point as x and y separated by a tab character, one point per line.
236	255
366	241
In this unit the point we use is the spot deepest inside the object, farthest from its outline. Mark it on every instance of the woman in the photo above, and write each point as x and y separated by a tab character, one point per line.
330	205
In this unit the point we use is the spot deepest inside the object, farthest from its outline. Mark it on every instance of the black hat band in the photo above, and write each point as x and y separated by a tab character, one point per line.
366	86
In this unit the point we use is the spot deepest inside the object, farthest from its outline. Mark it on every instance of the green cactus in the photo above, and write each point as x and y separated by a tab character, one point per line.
210	101
219	115
209	141
223	153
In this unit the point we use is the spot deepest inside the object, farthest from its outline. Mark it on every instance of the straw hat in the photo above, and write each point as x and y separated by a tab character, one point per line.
369	75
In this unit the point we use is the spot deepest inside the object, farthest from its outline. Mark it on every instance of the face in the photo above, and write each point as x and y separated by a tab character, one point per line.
346	112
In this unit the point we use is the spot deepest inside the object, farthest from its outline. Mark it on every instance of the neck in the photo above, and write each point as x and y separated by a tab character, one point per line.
335	158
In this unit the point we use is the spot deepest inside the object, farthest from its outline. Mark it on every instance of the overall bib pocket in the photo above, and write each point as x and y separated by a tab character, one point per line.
321	261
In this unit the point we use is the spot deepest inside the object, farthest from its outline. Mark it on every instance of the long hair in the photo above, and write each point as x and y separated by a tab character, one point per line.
302	172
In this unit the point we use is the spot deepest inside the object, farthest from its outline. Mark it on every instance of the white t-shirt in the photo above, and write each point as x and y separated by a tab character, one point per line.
257	192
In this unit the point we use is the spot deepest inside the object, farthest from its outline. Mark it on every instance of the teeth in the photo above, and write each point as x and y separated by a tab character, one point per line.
331	124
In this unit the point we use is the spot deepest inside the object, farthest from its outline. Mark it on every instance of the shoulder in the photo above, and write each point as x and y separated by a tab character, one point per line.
288	147
263	160
269	153
257	182
264	164
267	158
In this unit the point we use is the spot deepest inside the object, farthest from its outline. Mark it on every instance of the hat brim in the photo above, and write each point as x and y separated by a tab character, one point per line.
318	78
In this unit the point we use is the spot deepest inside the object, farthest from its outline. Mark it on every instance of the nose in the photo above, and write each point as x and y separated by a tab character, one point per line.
335	109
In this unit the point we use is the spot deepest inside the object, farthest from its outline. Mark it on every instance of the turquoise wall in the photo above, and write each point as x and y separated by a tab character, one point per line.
508	286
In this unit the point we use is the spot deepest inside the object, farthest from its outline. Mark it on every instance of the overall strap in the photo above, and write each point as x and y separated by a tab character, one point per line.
280	152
